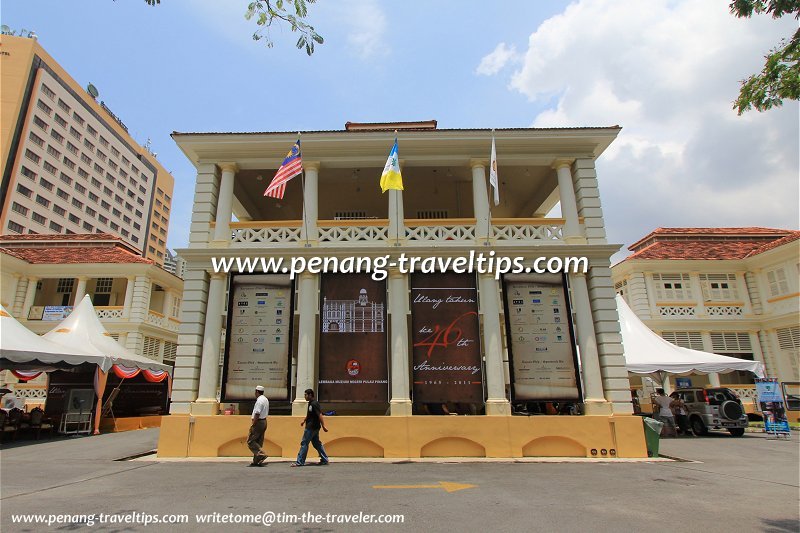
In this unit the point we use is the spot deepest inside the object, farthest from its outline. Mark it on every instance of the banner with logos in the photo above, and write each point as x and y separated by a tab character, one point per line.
258	337
445	336
353	364
540	338
770	400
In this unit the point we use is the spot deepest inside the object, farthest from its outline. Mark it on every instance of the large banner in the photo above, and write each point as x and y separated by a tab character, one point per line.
542	347
259	332
352	342
770	400
447	351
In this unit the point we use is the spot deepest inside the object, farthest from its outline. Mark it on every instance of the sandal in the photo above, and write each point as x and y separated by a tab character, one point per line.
296	464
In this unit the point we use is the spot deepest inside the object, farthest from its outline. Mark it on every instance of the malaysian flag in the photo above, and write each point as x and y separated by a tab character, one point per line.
291	167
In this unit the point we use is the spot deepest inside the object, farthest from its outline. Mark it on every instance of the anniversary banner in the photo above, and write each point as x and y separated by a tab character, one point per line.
447	353
259	331
539	328
353	363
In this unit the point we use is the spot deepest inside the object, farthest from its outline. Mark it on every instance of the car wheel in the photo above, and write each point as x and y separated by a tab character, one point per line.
736	432
698	428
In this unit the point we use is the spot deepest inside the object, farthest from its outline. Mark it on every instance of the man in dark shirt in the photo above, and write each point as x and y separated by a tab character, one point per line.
313	422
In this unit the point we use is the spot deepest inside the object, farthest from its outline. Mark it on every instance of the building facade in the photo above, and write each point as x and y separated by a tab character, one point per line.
337	211
69	164
731	291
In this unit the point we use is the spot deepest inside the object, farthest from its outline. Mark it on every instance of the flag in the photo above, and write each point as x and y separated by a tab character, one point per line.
291	167
493	174
391	178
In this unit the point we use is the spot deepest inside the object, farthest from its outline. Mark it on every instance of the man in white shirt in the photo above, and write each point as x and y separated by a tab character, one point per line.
255	440
665	413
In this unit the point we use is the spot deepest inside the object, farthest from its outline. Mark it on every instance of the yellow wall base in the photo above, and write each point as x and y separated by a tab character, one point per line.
412	436
130	423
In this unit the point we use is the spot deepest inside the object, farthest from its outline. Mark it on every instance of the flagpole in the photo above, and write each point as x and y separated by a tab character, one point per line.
396	200
489	218
303	188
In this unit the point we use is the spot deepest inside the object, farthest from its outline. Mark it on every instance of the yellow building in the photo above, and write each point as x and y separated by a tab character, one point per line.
69	164
387	351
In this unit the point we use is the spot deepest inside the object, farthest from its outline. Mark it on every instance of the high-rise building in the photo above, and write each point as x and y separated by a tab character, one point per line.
69	163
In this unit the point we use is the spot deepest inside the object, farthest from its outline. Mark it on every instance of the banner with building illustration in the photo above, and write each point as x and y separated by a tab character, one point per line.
258	336
772	406
540	338
353	364
445	336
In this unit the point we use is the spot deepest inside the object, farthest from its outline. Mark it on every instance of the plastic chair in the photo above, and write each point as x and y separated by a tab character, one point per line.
37	422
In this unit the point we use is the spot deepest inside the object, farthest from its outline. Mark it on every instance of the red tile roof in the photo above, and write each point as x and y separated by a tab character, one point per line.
61	237
70	249
756	232
709	243
775	244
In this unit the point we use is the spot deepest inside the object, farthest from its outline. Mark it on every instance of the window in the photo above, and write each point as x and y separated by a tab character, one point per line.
98	169
103	285
125	233
38	141
46	184
64	285
28	173
789	338
85	159
49	168
103	141
16	228
60	120
152	237
110	178
82	173
40	123
118	199
75	133
32	156
134	238
123	173
91	212
74	219
137	226
53	152
41	200
87	226
18	208
60	211
48	91
57	136
115	151
167	198
134	170
160	242
105	205
24	191
126	219
77	203
162	231
160	192
113	165
128	207
142	189
117	213
121	186
114	226
44	107
69	163
61	193
730	341
778	284
108	192
93	197
91	130
158	203
176	307
56	227
151	249
101	156
80	188
103	219
38	218
88	145
96	183
140	201
71	147
63	105
78	119
718	287
672	286
138	213
125	161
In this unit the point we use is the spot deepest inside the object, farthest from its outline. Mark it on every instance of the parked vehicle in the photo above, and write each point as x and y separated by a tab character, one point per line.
715	408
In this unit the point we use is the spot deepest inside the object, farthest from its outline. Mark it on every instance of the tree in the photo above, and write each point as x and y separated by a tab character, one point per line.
292	12
780	77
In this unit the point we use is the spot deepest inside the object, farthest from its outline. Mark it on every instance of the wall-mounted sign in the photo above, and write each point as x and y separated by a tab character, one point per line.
56	312
541	342
352	343
258	337
447	352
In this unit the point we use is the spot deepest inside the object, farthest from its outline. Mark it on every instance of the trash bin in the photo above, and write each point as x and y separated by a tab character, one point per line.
652	433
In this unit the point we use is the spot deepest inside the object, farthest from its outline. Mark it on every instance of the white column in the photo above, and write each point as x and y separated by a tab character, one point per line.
80	290
594	398
311	201
713	379
480	200
307	335
166	305
126	308
222	230
569	207
209	364
400	404
12	295
30	296
496	401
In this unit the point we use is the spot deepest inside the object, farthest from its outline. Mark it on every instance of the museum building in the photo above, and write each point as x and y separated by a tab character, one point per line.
533	362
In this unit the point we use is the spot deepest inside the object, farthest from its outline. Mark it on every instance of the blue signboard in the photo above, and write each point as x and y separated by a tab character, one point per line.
770	399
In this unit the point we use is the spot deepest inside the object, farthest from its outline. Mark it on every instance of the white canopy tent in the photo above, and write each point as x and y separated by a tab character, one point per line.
647	353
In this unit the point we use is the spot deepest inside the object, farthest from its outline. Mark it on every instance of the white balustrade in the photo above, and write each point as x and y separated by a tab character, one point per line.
724	310
525	232
440	234
353	234
675	311
267	235
109	313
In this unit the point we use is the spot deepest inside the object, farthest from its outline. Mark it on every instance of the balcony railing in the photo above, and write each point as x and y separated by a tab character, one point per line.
157	319
375	232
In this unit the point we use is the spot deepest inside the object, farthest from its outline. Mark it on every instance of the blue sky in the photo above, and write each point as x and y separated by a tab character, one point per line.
666	70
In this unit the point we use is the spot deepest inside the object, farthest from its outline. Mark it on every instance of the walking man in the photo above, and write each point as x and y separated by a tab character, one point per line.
255	440
665	415
313	422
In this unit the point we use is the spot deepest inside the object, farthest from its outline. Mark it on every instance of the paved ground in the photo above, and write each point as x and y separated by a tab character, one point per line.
741	484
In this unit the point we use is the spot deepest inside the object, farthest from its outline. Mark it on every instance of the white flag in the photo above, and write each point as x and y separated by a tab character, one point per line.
493	175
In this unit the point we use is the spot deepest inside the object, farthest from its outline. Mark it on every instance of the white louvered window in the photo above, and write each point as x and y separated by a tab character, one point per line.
719	287
152	348
778	284
672	286
621	288
685	339
789	338
730	341
176	307
170	350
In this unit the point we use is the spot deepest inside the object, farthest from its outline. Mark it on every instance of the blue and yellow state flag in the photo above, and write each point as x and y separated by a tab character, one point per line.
391	178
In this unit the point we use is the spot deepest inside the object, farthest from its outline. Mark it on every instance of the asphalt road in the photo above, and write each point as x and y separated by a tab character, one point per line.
740	484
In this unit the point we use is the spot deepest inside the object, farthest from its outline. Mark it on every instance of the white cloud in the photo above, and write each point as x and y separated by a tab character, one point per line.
494	62
668	71
367	31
